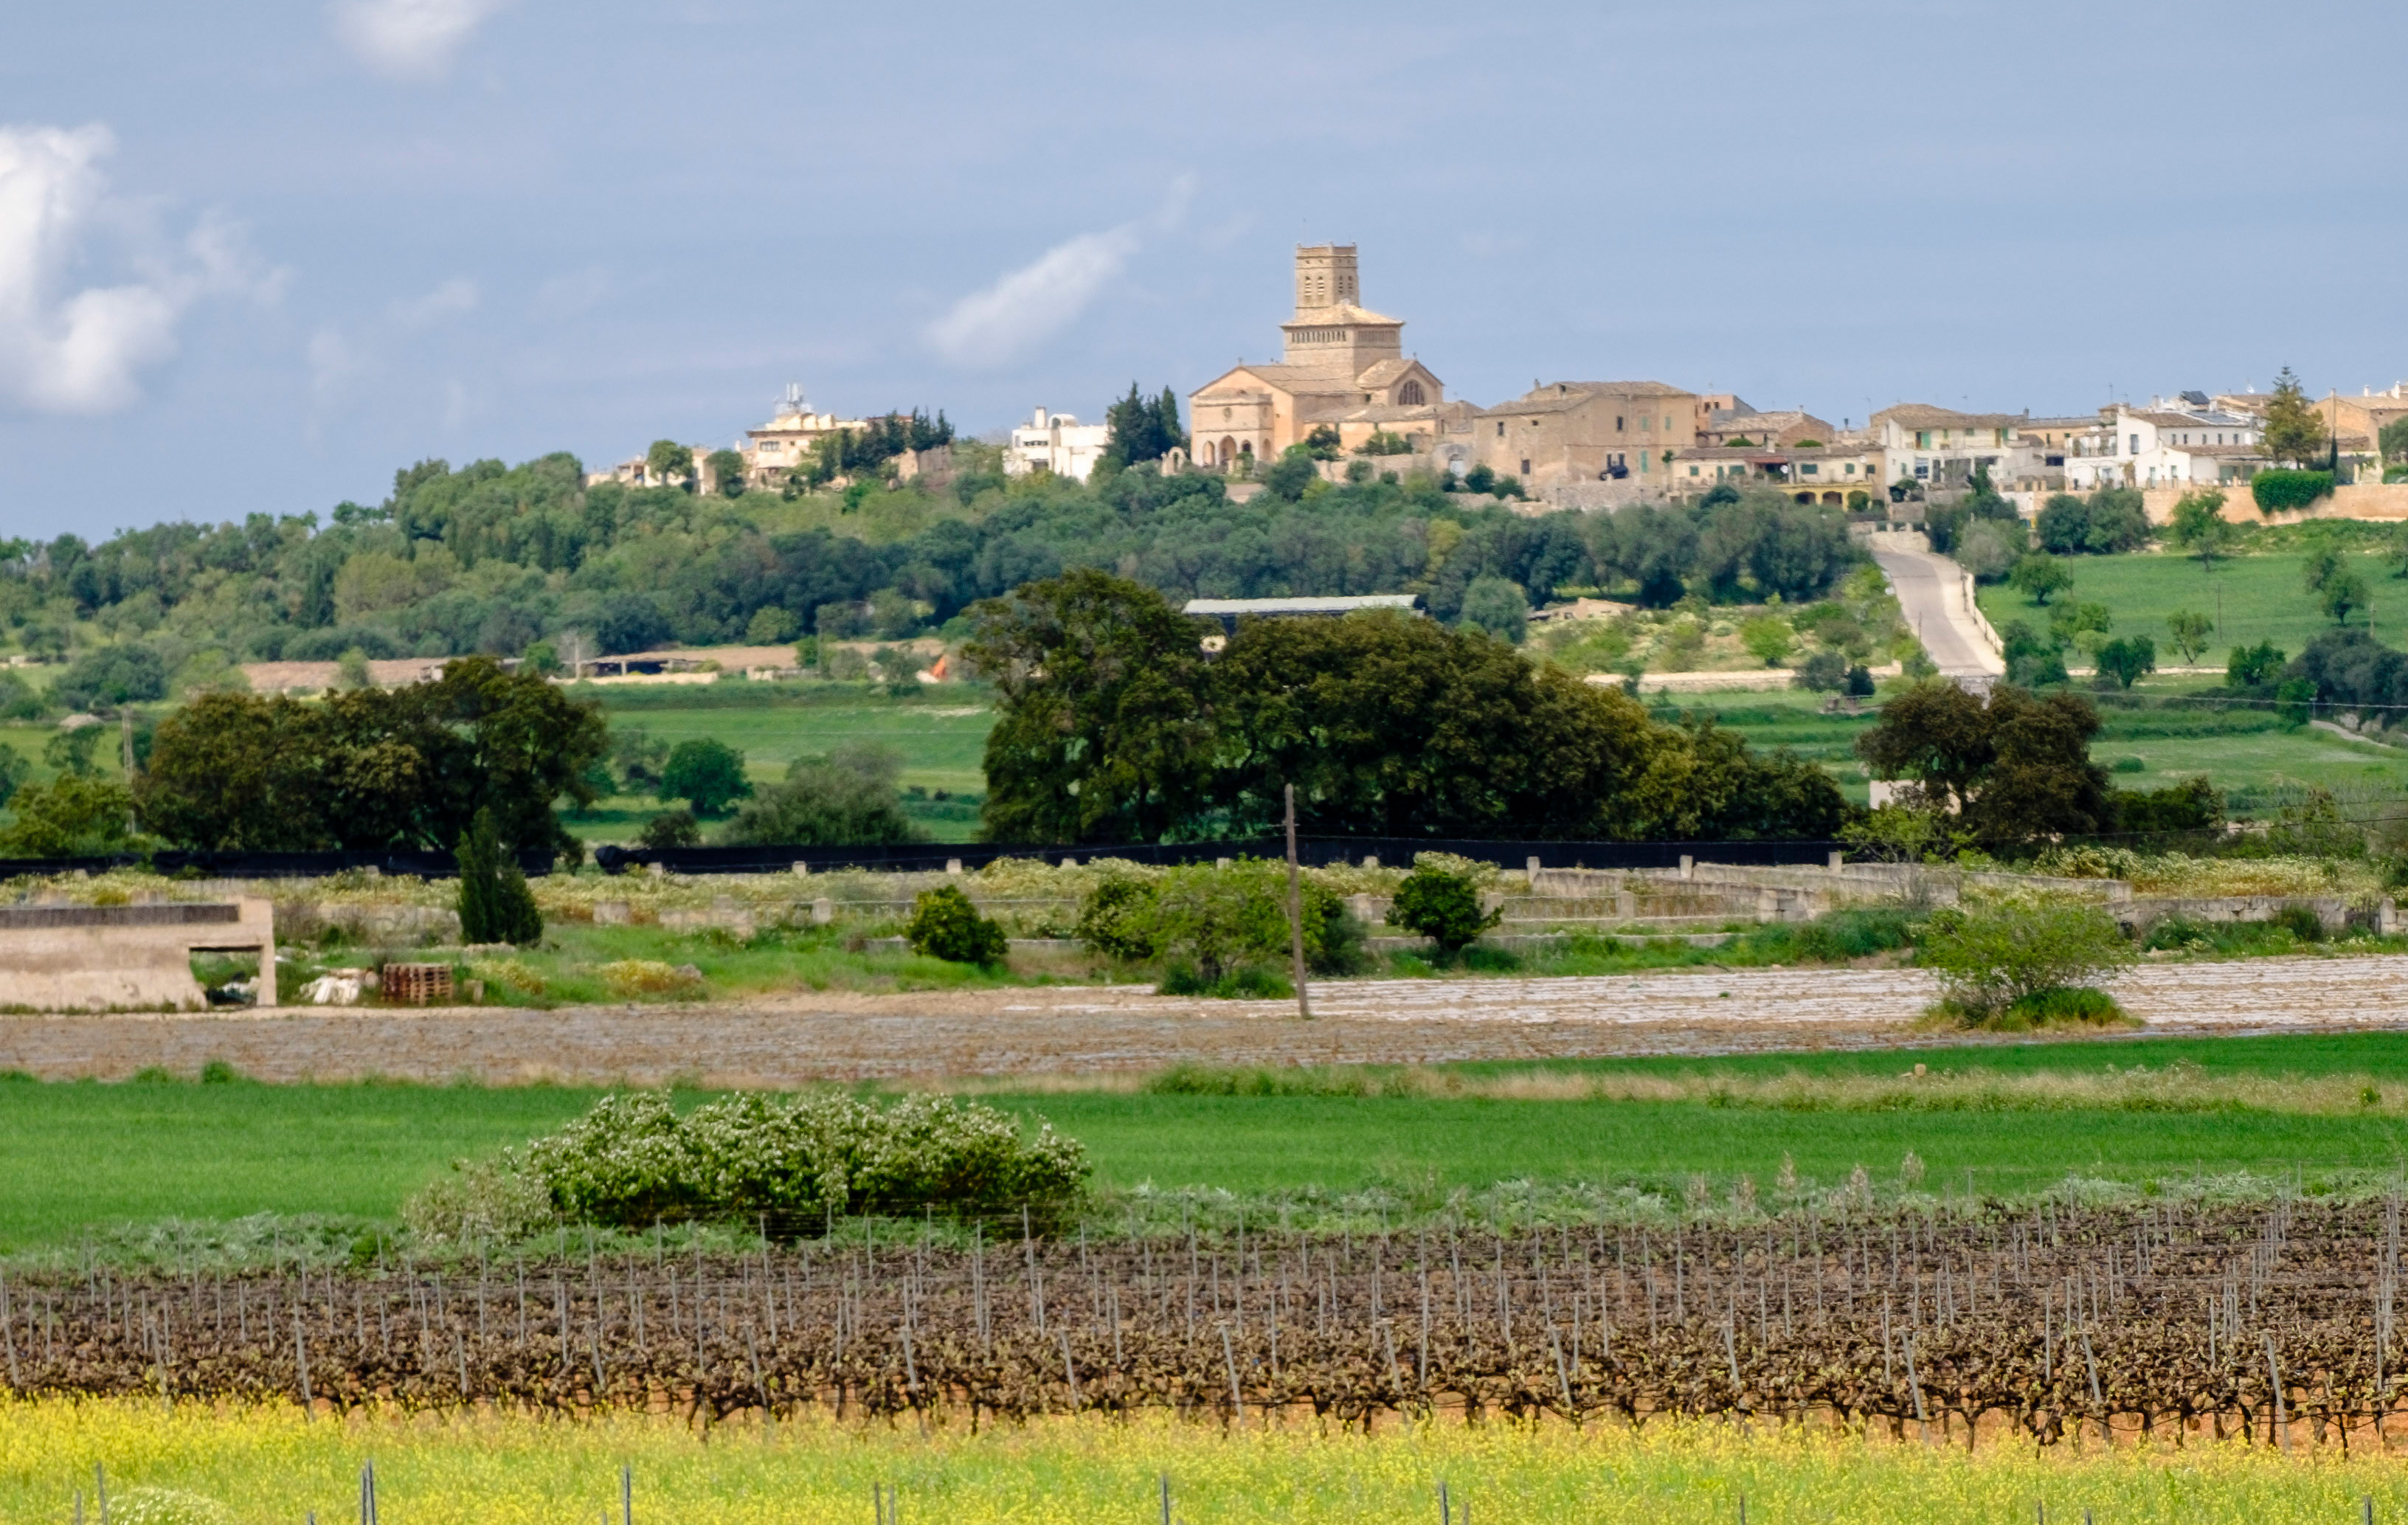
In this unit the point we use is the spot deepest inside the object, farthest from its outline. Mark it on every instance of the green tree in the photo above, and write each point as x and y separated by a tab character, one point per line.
1138	429
1993	959
1497	606
2039	576
2014	767
69	817
669	462
707	774
1102	729
1288	477
2342	596
2199	528
2294	431
1481	478
70	752
2252	666
377	769
2393	439
845	799
494	904
1320	442
2126	658
676	828
14	770
1442	906
1769	639
727	468
2190	633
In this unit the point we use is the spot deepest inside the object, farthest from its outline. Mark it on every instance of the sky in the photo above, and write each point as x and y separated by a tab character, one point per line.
254	257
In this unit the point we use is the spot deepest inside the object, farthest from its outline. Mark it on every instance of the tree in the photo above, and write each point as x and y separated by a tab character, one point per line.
1495	605
727	468
2199	528
377	769
1481	478
1993	959
70	752
846	798
1824	672
14	770
2251	667
1139	429
2393	439
2014	768
1768	639
109	676
1320	442
69	817
671	829
1102	730
496	905
2040	575
2190	633
2126	658
1289	476
2338	589
2294	430
707	774
669	462
1442	906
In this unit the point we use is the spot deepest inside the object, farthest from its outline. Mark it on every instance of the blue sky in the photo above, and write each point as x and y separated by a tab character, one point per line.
253	257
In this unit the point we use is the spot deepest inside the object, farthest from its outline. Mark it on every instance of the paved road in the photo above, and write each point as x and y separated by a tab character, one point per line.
1927	594
1084	1033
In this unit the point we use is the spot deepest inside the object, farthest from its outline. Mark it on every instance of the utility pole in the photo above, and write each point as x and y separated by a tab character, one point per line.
1296	912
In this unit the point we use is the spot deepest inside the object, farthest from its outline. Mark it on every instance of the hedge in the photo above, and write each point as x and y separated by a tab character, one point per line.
2282	492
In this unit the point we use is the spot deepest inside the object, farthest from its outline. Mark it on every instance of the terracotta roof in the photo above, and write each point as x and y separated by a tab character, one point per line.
1922	415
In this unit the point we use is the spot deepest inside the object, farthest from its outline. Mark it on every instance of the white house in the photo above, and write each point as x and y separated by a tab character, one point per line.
2166	444
1056	442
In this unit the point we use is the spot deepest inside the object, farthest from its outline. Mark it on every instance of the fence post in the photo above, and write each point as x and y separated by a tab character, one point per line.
1296	917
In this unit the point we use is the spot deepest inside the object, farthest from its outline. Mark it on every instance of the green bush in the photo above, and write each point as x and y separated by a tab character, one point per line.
2281	492
1989	957
2054	1008
1843	935
1442	906
1248	982
1216	921
1118	920
944	925
671	829
496	905
631	1160
2300	921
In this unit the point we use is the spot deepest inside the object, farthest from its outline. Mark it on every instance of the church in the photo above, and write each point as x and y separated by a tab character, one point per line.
1341	365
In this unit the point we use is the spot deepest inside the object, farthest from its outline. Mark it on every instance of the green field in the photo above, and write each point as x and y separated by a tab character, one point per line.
81	1155
2258	598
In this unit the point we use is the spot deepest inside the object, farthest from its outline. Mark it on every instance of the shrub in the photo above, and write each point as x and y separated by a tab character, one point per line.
496	905
70	816
2282	492
2251	665
114	675
631	1160
945	924
1860	681
2053	1008
2300	921
1989	957
1442	906
845	799
1825	672
707	774
648	977
671	829
1118	919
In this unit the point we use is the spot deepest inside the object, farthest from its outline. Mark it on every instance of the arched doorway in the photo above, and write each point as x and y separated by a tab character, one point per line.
1229	451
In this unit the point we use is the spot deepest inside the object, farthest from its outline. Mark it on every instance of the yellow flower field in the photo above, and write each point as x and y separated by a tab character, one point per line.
269	1465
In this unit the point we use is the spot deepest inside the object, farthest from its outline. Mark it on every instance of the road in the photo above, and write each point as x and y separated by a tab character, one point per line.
1927	594
1079	1035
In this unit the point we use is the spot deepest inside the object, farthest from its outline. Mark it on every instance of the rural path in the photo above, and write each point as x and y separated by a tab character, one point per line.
1082	1035
1931	595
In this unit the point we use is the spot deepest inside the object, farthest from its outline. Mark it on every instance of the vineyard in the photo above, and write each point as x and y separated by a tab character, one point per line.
2274	1324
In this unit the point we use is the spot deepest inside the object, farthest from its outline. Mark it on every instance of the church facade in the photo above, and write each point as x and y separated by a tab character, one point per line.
1341	366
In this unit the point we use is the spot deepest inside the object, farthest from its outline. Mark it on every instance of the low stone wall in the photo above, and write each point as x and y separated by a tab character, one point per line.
2335	914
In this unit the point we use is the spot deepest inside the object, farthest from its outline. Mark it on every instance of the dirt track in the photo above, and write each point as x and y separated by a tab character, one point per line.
1073	1031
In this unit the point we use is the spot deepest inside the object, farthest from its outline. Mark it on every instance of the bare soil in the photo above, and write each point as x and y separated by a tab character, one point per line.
1077	1033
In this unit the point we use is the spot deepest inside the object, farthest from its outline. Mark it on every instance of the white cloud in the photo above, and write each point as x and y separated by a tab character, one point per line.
453	298
410	39
85	351
1030	305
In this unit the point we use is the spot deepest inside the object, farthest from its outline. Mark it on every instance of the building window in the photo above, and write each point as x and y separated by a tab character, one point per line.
1808	470
1617	424
1501	428
1692	470
1923	438
2136	444
1525	466
1410	394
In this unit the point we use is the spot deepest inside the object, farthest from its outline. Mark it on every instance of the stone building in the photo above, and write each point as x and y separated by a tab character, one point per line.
1568	432
1341	365
785	442
1740	424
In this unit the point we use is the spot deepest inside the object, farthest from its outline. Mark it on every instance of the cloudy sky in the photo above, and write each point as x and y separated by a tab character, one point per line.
253	257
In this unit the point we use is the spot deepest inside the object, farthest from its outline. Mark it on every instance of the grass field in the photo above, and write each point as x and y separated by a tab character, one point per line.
269	1463
2261	597
81	1154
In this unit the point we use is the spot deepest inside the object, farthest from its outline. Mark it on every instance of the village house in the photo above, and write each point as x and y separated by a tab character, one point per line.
1838	476
1740	424
1942	448
1566	432
2170	442
1056	442
784	443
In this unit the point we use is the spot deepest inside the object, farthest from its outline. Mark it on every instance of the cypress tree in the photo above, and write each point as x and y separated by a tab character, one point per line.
496	905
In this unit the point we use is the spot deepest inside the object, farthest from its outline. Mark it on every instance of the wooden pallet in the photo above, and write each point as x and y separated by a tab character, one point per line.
416	985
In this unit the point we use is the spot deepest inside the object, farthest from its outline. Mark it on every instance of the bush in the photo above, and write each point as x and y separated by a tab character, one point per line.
2282	492
1825	672
1118	919
1987	958
2251	665
1442	906
671	829
2054	1008
2300	921
1860	681
111	676
944	925
633	1161
845	799
69	817
496	905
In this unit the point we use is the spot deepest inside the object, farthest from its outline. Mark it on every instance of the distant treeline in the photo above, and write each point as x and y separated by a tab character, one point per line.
490	559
